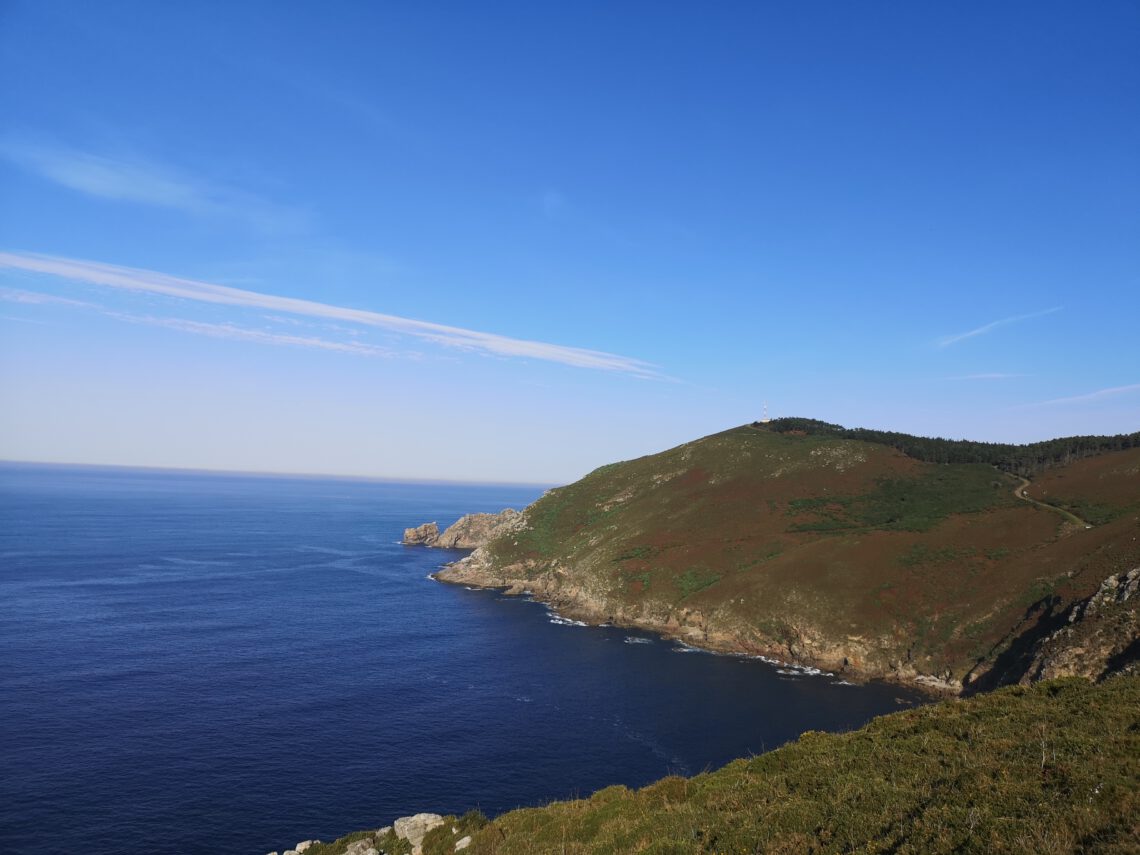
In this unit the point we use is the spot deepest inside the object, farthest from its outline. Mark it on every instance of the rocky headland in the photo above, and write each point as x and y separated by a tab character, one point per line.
844	555
468	532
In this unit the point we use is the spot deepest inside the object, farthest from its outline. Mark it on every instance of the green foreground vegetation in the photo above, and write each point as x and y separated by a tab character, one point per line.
1050	768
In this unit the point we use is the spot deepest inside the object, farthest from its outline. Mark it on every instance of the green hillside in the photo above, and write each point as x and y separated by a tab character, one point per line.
1054	768
843	553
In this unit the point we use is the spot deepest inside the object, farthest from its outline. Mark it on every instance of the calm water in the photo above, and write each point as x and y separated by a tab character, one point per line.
208	663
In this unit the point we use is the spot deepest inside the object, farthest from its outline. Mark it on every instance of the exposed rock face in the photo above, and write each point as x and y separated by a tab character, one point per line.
1102	636
468	532
413	828
425	534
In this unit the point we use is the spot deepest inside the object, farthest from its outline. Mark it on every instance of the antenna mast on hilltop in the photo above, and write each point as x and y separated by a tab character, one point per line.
765	420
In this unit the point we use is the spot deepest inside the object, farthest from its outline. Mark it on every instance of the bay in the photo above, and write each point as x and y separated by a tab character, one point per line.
200	662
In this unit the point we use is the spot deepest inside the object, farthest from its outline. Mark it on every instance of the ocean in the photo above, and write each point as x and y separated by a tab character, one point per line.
213	663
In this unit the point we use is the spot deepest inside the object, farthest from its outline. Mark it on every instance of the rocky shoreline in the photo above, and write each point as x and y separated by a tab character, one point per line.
1067	652
687	626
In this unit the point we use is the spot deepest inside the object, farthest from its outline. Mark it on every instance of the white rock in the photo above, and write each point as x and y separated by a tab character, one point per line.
462	842
413	828
380	832
305	844
290	852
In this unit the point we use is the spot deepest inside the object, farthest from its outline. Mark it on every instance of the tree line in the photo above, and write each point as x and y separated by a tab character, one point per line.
1023	460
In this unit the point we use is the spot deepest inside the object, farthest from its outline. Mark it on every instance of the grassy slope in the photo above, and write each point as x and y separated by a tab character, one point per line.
826	549
1048	769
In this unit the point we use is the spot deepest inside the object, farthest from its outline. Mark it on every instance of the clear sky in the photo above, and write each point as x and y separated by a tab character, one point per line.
515	241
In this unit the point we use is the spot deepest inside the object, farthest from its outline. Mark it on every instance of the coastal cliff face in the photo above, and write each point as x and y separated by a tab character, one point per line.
840	554
1100	636
468	532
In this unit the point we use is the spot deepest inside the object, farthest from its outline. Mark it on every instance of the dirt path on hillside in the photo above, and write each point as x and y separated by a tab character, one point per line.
1020	492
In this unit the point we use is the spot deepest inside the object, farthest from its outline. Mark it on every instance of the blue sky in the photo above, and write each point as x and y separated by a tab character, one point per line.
517	241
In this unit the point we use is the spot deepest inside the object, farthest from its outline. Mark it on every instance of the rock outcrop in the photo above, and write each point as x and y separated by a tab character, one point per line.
414	828
1101	636
468	532
422	535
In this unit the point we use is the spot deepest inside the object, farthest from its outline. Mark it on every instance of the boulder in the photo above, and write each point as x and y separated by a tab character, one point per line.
361	847
413	828
462	842
305	844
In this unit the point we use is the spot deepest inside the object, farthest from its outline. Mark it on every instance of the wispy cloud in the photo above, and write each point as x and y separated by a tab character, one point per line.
1098	395
213	330
35	298
993	375
153	282
147	183
237	333
946	341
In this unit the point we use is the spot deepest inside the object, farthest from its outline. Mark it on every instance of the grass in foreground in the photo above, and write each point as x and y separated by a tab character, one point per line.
1054	768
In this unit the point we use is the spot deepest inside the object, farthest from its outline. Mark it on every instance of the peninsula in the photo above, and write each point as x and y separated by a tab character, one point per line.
955	566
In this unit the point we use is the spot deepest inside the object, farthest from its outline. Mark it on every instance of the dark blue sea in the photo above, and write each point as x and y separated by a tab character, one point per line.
218	663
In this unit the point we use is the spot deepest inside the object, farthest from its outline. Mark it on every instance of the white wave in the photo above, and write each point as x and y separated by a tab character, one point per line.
681	647
633	639
564	621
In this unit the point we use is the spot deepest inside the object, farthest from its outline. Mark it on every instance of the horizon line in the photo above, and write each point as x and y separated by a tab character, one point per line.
267	473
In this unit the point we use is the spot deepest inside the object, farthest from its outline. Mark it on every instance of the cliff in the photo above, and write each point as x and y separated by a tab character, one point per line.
1100	636
842	554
